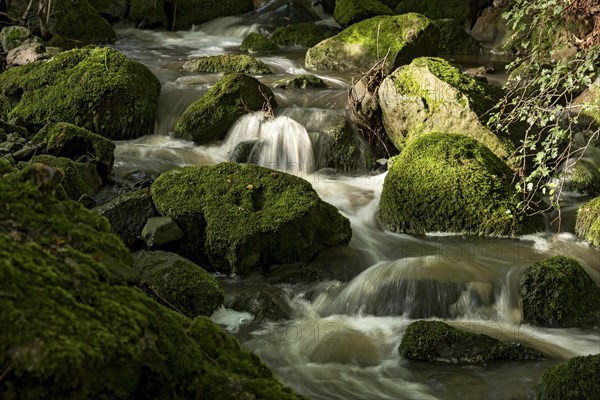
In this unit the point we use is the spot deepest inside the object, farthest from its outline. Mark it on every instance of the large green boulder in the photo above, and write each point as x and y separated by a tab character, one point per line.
210	118
464	11
558	292
432	95
587	224
227	63
302	35
255	43
361	45
74	329
348	12
185	285
95	88
576	379
243	217
454	39
438	341
79	23
193	12
67	140
445	182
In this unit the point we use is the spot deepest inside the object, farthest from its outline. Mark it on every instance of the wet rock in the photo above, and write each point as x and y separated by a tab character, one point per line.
581	176
227	63
180	282
267	304
159	231
437	341
339	344
128	214
246	152
454	39
344	150
259	44
304	81
302	35
490	28
558	292
26	54
348	12
588	221
243	217
576	379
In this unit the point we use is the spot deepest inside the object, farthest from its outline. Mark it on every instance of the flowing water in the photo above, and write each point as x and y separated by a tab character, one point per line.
342	339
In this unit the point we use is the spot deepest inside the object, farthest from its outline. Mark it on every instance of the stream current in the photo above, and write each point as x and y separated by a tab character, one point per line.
342	339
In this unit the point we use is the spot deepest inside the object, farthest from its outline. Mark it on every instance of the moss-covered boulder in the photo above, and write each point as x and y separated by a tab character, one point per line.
361	45
588	221
74	329
303	81
210	118
443	182
454	39
243	217
343	150
183	284
67	140
95	88
259	44
193	12
432	95
438	341
558	292
12	37
576	379
348	12
464	11
302	35
79	23
582	176
241	63
79	178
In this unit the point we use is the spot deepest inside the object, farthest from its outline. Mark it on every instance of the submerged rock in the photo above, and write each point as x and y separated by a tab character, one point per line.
303	35
227	63
432	95
361	45
576	379
95	88
210	118
438	341
558	292
444	182
348	12
257	43
265	304
588	221
243	217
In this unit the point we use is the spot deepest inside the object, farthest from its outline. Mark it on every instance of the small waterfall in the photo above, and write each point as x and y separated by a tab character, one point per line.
279	143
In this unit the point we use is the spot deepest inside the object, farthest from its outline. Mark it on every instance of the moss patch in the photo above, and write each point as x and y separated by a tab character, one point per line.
302	35
257	43
96	88
348	12
210	118
588	221
437	341
577	379
79	23
451	183
243	217
227	63
454	39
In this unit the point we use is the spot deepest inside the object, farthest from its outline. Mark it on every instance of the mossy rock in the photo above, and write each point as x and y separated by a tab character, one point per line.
360	46
348	12
67	140
210	118
302	35
432	95
445	182
438	341
79	23
576	379
558	292
14	36
345	151
194	12
148	14
259	44
454	39
6	166
588	103
582	177
98	89
241	63
243	217
79	178
10	128
588	222
74	329
464	11
180	282
303	81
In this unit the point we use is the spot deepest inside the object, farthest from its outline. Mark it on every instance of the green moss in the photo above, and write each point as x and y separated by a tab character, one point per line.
437	341
577	379
303	81
95	88
302	35
79	22
460	10
73	329
588	221
454	39
360	45
193	12
583	177
451	183
179	281
5	166
10	128
348	12
14	36
558	292
257	43
243	217
210	118
241	63
67	140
